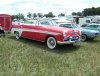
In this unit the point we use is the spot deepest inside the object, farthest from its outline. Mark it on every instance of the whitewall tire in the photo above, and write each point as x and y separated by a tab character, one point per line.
51	42
17	35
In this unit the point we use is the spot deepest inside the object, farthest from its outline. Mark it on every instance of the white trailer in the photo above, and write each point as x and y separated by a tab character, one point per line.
84	20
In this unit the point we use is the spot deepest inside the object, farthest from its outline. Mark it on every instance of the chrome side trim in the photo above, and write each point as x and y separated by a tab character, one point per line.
65	42
32	30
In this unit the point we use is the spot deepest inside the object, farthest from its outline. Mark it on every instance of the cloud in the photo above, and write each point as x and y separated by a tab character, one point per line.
45	6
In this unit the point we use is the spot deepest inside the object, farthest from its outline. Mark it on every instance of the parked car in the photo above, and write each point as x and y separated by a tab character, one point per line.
93	27
85	33
46	31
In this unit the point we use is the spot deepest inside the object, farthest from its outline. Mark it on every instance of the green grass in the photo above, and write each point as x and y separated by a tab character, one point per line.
31	58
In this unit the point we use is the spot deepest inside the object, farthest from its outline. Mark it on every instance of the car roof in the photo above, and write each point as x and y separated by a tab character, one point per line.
44	19
67	23
93	24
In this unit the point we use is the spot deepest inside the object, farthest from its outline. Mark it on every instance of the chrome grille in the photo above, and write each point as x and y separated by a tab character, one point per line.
75	38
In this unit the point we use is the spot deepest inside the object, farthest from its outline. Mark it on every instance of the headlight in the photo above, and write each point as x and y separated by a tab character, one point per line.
65	34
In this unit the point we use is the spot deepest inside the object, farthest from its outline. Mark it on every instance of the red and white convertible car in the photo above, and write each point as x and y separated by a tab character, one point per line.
46	31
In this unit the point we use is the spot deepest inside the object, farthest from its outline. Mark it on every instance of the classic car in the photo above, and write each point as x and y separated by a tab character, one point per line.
46	31
85	33
93	26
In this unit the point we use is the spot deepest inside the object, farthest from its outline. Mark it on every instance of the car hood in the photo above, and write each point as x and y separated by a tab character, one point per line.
56	28
88	30
85	27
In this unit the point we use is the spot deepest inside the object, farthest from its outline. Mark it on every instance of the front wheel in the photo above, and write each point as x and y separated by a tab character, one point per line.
83	37
51	42
17	35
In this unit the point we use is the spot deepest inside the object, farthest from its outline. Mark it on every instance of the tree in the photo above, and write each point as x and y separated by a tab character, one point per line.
91	11
50	14
14	17
73	13
21	16
40	15
79	13
29	15
34	15
88	12
61	14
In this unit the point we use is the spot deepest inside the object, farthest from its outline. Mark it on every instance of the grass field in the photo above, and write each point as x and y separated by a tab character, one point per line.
31	58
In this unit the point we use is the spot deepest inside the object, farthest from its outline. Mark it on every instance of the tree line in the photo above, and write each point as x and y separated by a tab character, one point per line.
32	15
88	12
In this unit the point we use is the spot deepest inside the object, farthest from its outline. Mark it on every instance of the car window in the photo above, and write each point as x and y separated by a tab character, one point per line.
99	26
30	22
44	23
75	26
84	25
92	26
47	22
96	26
66	25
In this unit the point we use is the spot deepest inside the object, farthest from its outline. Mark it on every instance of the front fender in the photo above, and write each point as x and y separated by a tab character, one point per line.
89	34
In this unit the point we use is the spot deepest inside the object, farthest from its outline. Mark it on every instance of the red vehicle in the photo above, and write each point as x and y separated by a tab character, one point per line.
5	22
46	31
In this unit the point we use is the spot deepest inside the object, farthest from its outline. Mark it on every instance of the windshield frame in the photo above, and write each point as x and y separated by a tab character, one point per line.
73	26
49	23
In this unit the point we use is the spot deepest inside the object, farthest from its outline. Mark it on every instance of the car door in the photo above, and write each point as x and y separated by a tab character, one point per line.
95	27
40	31
27	31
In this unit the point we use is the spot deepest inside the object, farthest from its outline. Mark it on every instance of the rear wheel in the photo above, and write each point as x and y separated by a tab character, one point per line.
51	42
0	35
17	35
83	37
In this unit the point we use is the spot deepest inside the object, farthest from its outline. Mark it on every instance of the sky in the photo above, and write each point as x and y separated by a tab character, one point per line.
44	6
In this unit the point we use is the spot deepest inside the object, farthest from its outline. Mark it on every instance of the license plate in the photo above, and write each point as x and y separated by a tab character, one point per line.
75	37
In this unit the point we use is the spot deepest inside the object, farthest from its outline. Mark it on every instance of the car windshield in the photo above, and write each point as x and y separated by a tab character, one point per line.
92	26
66	25
47	22
75	26
69	26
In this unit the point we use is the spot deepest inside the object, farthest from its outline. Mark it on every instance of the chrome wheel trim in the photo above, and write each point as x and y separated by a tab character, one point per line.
51	42
84	37
17	35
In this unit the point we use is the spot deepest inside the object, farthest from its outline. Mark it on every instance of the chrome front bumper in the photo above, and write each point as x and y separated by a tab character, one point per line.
70	41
